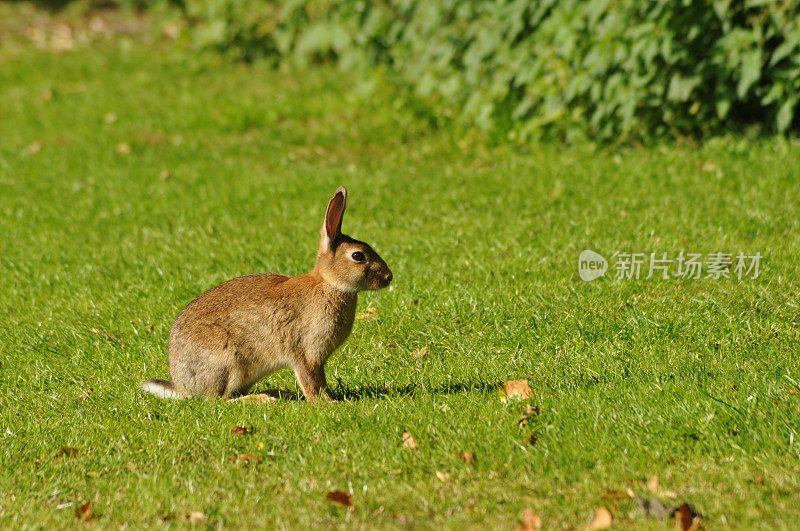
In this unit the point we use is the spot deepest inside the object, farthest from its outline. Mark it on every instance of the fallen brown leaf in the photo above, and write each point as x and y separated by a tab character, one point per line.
408	441
245	458
197	517
602	519
242	430
84	512
66	452
442	476
420	353
685	518
340	497
531	521
469	457
759	480
652	484
518	389
85	394
615	495
369	313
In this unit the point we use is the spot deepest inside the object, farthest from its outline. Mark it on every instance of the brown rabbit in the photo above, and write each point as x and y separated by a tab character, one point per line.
233	335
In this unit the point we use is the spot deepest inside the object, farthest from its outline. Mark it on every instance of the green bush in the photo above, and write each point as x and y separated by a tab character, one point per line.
608	69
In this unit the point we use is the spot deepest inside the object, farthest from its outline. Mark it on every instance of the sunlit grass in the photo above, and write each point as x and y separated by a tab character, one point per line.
134	177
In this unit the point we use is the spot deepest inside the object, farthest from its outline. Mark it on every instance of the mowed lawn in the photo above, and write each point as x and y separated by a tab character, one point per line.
134	176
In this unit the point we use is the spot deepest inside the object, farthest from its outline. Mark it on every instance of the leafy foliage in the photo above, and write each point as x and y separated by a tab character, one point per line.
610	70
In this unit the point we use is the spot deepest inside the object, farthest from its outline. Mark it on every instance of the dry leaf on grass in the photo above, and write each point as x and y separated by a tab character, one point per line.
34	147
408	441
369	313
84	512
531	521
242	430
340	497
469	457
420	353
197	517
686	518
65	452
85	394
194	517
123	148
615	495
654	487
518	389
652	484
442	476
602	519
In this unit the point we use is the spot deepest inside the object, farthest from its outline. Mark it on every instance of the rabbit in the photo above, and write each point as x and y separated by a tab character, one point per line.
247	328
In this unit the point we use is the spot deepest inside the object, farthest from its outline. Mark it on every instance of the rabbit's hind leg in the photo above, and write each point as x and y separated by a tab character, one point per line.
203	362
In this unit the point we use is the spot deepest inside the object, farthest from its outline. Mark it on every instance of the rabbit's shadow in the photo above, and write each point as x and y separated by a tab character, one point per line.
344	393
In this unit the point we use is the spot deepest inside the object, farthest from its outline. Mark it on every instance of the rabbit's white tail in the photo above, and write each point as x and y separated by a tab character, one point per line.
160	388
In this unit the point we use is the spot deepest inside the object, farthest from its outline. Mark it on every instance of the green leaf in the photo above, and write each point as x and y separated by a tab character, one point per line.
751	71
723	107
680	88
786	114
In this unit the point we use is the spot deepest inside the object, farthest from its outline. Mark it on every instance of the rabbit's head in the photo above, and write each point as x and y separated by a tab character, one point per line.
348	264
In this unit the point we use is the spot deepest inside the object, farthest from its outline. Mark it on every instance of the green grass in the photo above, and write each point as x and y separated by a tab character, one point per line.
690	380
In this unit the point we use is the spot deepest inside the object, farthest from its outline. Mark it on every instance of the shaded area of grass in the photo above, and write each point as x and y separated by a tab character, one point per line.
133	178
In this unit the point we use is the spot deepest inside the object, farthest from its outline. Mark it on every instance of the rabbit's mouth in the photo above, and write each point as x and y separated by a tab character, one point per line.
381	280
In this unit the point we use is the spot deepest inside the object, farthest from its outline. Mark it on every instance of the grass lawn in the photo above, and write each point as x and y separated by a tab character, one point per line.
134	176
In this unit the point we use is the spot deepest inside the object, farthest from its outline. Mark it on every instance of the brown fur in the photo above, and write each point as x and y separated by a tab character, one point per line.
233	335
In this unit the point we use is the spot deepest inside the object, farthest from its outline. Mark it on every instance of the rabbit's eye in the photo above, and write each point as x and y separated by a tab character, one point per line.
358	256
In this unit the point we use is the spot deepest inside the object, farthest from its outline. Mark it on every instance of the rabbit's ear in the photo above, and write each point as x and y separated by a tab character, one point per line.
333	217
